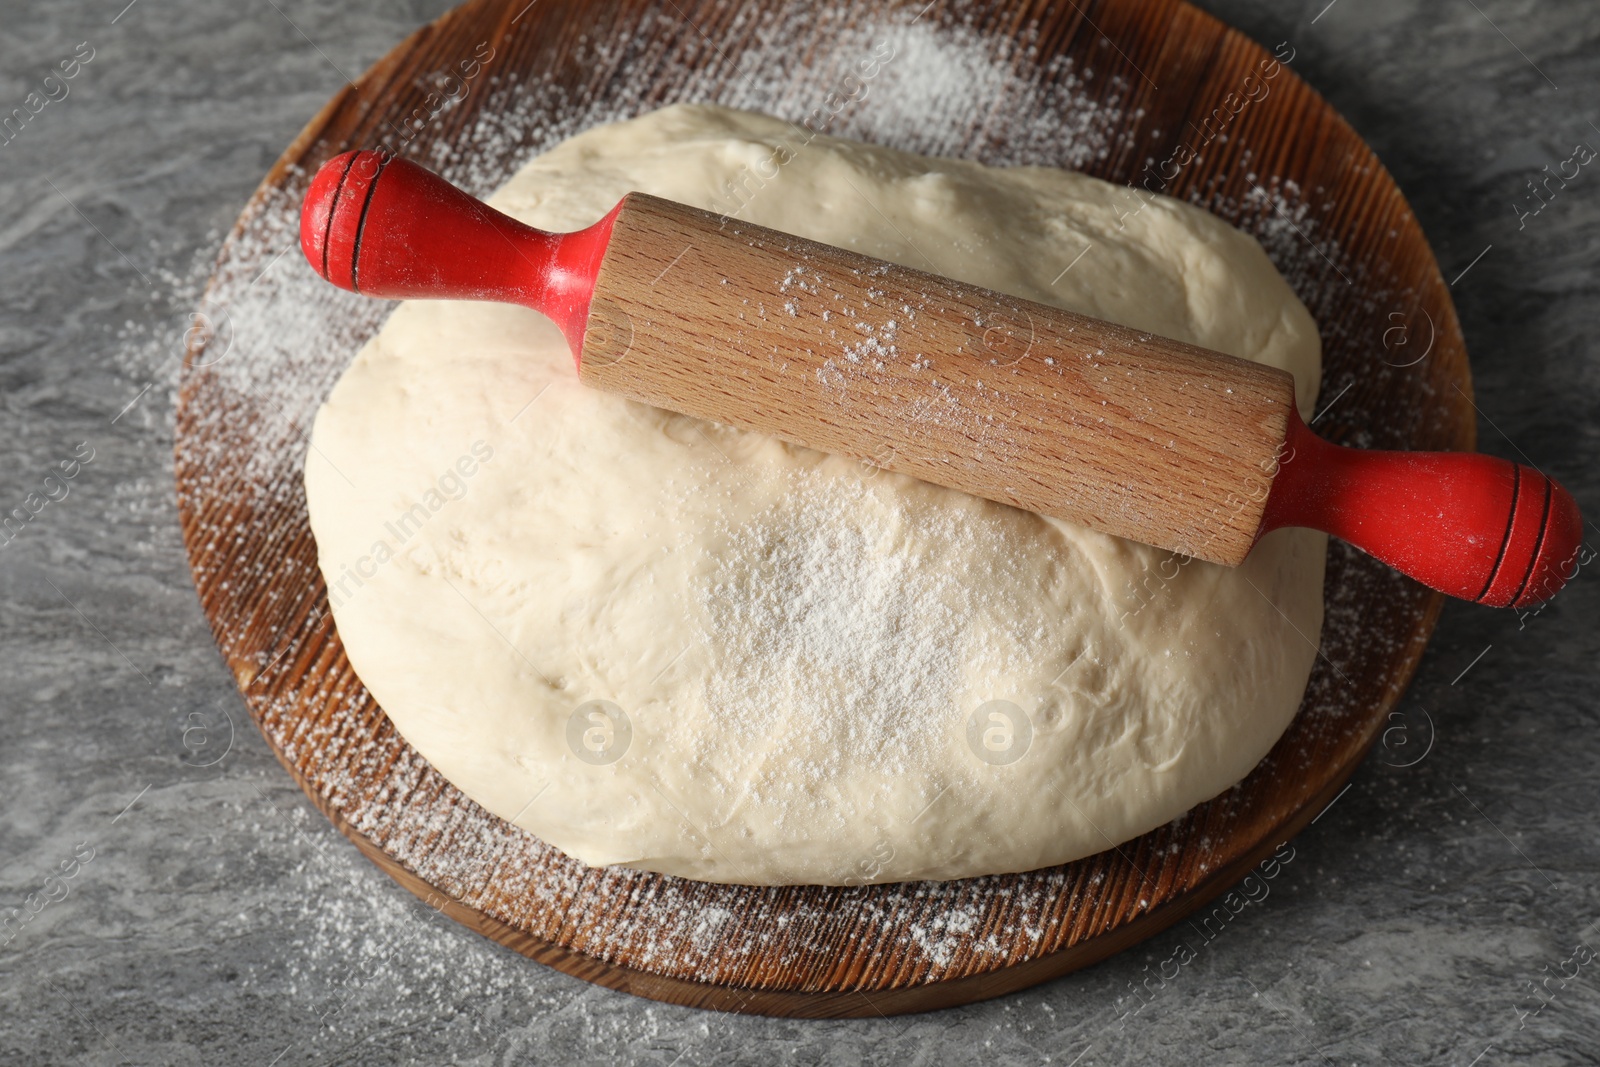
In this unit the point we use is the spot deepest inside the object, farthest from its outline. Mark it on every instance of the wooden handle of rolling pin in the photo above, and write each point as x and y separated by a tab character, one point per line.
1116	430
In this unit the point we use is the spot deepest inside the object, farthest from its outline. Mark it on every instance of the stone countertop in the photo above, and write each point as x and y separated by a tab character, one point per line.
1432	915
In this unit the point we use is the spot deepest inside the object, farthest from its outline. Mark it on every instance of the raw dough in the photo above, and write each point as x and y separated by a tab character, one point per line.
806	650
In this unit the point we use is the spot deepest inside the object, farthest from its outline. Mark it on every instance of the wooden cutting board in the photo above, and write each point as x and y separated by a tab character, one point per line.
1105	87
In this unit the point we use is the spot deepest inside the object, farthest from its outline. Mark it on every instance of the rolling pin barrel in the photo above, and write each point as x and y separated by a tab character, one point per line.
1019	402
1119	431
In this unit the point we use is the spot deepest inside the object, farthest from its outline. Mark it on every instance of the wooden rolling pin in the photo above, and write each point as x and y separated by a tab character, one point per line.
1120	431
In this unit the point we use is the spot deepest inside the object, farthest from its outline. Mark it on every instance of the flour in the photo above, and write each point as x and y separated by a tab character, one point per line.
819	616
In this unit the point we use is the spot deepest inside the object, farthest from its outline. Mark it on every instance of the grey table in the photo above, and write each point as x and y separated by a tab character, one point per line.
197	910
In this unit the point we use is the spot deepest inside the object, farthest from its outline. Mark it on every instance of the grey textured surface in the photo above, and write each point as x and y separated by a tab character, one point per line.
1423	919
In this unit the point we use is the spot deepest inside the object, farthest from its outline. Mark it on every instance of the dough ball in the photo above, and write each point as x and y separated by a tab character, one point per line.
665	643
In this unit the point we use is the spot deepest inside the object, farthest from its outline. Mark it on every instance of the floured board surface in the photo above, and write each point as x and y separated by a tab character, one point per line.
1127	90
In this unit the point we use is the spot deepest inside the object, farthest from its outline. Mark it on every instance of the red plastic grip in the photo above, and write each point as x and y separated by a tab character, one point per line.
380	225
1476	527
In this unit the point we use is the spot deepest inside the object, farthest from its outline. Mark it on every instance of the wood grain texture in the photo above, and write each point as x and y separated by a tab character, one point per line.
1021	83
1121	431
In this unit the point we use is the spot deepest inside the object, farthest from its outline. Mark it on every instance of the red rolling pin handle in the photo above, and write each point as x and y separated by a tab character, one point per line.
1476	527
385	227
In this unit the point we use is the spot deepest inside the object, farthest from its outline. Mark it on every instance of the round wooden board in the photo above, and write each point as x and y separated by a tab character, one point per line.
1107	87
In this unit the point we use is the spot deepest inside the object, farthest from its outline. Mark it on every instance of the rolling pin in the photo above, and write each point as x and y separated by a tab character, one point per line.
1117	430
